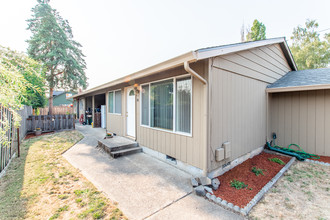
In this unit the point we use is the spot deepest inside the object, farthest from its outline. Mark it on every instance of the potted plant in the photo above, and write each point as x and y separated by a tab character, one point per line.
38	131
108	135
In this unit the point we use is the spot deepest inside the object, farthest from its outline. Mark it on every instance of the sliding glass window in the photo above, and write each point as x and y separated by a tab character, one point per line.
110	101
115	102
145	105
183	105
159	100
161	105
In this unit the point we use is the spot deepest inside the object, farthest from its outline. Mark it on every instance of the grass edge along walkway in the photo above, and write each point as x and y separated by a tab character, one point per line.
42	184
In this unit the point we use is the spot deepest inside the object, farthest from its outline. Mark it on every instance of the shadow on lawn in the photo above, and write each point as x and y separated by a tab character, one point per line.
12	202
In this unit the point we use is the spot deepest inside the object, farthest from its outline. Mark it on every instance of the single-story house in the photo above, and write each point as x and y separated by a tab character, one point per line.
207	110
63	98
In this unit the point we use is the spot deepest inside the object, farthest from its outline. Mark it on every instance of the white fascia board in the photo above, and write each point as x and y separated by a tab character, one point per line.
168	64
298	88
222	50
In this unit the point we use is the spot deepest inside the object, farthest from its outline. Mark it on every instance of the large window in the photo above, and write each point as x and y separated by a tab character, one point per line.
161	105
115	102
160	100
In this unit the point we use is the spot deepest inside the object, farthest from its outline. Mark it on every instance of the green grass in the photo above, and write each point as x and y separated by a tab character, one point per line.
238	184
277	160
42	184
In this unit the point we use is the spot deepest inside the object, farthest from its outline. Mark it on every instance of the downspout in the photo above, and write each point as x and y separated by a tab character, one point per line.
200	78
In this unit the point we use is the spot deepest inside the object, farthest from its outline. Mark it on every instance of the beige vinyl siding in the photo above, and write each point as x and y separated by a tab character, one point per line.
238	114
265	64
238	101
188	149
302	118
115	122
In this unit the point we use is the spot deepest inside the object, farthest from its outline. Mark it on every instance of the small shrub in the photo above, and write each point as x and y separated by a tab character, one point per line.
277	160
258	171
238	184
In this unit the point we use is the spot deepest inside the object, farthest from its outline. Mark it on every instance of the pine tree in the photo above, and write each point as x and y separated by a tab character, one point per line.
257	32
52	43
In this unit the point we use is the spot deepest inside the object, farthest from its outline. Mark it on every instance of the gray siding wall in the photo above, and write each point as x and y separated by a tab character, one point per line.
302	118
238	101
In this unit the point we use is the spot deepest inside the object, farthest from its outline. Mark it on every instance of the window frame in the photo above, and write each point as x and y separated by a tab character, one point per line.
174	131
114	102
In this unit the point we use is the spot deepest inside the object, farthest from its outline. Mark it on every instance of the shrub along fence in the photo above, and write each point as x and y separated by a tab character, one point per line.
49	123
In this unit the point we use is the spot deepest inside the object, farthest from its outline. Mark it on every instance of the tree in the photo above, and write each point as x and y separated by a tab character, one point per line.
257	32
307	49
22	80
52	43
16	71
33	73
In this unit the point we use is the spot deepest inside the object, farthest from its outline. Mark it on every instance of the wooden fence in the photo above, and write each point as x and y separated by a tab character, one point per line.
57	110
7	135
49	123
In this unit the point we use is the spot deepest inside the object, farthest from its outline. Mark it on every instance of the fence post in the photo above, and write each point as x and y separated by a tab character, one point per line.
18	150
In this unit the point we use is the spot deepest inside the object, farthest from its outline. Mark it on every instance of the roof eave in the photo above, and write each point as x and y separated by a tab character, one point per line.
204	54
168	64
297	88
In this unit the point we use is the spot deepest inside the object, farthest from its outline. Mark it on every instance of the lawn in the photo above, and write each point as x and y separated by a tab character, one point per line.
302	193
41	184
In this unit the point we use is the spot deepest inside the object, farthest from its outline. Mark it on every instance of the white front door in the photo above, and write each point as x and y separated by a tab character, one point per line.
130	108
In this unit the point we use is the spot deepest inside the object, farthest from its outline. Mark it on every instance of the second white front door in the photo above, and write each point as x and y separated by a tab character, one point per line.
130	108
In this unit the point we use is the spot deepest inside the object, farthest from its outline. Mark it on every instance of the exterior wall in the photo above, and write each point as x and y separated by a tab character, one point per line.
302	118
116	122
82	107
61	99
187	149
238	101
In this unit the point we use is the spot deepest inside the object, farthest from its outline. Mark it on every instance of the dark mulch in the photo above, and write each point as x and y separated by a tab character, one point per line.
323	159
32	135
243	173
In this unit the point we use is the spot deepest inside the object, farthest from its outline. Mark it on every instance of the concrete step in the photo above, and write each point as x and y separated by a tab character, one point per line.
124	152
116	147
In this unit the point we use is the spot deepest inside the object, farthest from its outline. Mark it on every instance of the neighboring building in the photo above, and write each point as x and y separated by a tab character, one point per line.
208	109
63	98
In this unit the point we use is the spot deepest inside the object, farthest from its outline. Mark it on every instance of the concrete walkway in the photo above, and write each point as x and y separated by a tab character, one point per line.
143	187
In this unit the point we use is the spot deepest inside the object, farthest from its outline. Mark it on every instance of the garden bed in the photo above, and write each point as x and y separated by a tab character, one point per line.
32	135
324	159
250	182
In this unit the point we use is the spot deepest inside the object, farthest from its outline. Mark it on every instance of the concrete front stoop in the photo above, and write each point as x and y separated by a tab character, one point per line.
119	146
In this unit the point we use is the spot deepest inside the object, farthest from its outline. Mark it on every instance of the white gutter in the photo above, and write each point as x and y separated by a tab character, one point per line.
206	95
298	88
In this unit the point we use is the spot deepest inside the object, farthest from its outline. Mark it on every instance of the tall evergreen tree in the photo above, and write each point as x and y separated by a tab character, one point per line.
307	49
257	32
52	43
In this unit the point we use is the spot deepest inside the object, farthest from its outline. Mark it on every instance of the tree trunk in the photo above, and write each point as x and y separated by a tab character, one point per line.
50	101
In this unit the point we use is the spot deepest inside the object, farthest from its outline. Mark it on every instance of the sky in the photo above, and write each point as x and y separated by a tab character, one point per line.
124	36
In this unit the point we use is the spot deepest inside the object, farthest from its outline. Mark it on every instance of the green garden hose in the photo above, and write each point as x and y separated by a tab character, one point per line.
300	152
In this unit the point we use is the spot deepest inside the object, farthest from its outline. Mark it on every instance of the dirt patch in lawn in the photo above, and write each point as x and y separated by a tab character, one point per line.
323	159
32	135
251	175
303	192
